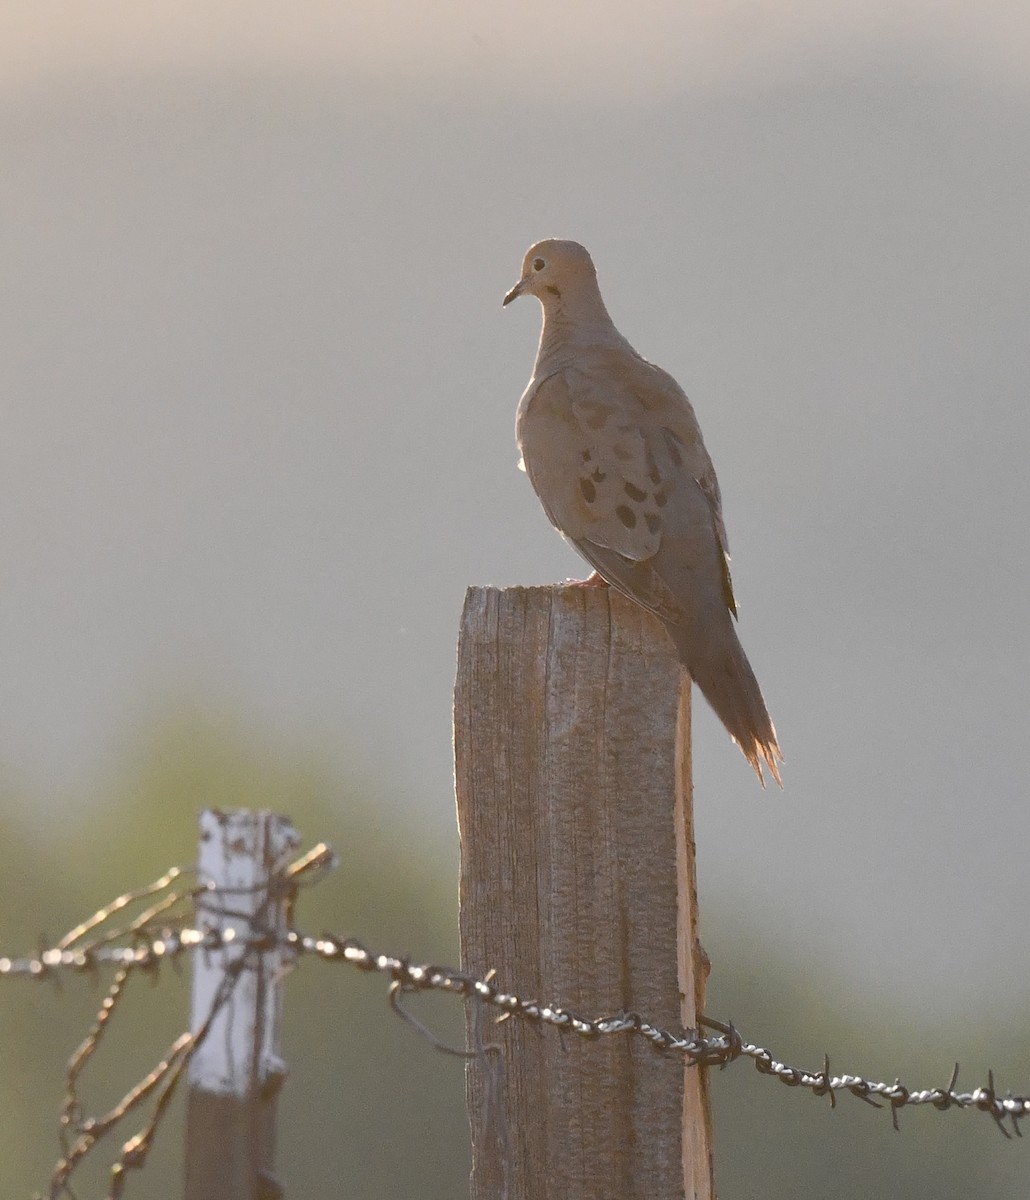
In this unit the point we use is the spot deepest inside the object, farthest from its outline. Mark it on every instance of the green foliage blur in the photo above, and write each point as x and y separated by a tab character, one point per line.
776	1142
366	1102
370	1109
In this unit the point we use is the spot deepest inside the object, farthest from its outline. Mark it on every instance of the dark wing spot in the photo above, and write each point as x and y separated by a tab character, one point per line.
634	492
599	476
627	516
654	522
585	455
661	498
554	291
621	452
588	490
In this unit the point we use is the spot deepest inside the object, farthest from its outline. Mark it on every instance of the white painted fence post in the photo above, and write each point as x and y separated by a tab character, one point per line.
237	1071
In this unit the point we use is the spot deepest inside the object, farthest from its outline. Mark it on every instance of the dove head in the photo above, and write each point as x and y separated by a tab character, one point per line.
556	272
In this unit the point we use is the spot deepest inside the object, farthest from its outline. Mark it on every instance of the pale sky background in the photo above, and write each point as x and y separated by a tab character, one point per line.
258	396
590	49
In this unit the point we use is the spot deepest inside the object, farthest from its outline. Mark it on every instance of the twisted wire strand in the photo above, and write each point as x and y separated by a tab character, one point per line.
721	1045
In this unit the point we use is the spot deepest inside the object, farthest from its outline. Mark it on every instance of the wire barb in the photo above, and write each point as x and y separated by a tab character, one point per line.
161	933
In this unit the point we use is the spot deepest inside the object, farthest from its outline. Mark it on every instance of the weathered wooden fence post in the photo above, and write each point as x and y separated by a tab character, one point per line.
572	770
236	1072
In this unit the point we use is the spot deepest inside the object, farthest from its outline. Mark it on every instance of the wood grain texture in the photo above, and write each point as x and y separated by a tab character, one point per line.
571	726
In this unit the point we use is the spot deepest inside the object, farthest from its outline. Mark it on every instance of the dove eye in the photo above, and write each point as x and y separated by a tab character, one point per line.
538	264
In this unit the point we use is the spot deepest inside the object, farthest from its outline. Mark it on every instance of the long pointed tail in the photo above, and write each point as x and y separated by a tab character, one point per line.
719	667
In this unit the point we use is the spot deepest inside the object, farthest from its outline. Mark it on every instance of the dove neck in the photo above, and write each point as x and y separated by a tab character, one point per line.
572	321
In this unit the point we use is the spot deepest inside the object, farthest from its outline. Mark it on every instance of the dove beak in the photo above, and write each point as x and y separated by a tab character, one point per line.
515	292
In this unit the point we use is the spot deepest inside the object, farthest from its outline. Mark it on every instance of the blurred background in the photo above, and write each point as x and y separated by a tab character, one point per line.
258	397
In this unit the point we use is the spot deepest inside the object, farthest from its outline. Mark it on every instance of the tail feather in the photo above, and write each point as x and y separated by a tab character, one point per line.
721	670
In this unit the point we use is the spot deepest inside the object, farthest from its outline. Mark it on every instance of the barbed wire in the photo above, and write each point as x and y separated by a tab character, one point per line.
150	947
162	932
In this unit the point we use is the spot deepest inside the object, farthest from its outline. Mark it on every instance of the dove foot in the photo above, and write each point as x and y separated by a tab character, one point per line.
593	580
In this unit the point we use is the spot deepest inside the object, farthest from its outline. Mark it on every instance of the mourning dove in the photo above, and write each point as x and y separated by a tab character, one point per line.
613	449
